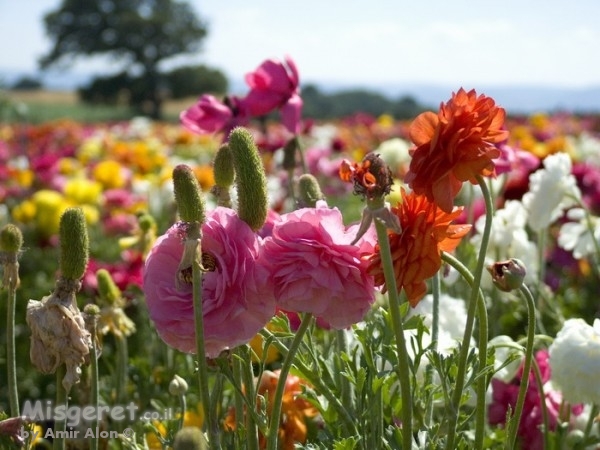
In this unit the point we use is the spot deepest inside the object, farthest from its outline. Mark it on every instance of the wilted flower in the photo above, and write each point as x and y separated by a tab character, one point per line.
315	268
575	361
552	190
507	275
236	297
416	251
455	145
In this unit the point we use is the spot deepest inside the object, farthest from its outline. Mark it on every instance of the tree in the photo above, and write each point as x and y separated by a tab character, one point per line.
190	81
140	34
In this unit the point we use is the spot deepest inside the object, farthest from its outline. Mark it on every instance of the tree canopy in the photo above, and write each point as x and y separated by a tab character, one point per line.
138	34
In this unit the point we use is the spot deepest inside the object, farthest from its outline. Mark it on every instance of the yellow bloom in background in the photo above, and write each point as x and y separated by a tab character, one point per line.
91	149
49	206
23	177
191	418
69	166
83	191
205	176
91	214
109	173
24	212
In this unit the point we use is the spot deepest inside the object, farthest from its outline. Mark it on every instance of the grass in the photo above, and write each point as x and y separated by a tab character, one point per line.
38	106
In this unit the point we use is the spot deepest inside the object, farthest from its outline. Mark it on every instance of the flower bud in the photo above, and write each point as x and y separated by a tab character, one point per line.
507	275
11	239
223	167
189	438
74	244
109	292
309	190
372	178
188	194
289	154
250	178
178	386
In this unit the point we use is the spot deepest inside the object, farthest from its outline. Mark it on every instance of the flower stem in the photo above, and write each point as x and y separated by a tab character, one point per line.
482	348
95	389
248	381
473	300
435	319
211	420
122	361
403	360
513	424
13	393
285	369
60	425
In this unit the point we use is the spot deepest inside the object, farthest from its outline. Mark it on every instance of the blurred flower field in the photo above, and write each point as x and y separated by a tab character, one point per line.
348	375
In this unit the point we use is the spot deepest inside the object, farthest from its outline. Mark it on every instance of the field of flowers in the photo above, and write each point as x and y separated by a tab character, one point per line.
364	283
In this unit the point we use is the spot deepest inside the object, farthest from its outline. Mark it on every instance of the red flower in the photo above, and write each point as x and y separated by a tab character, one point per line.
416	251
455	145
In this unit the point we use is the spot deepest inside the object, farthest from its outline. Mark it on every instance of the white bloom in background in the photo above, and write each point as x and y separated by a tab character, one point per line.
586	147
394	153
504	347
508	239
552	190
451	322
580	236
575	361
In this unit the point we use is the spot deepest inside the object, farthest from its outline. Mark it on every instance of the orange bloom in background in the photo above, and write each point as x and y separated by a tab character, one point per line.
416	252
455	145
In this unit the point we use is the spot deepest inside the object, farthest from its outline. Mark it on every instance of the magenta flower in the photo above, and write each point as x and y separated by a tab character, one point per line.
315	269
210	115
236	296
275	85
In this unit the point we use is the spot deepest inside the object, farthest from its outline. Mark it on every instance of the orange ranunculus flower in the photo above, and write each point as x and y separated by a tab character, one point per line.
454	145
416	252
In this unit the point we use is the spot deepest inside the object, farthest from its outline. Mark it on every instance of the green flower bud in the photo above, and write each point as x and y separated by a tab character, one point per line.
178	386
508	275
189	438
289	154
146	222
188	194
251	178
309	190
91	309
223	167
74	244
11	239
110	293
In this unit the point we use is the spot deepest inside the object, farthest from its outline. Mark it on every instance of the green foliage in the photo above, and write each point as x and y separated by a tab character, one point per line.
140	34
190	81
26	84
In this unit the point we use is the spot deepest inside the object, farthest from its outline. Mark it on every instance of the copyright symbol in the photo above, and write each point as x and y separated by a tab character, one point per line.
128	432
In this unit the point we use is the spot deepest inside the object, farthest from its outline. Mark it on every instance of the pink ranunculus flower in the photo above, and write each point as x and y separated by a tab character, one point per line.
210	115
315	269
275	85
236	297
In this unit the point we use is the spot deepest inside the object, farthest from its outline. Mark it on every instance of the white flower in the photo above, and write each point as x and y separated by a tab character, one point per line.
586	147
395	153
575	361
552	190
580	236
508	239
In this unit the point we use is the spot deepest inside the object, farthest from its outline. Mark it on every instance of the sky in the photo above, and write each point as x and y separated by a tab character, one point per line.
369	43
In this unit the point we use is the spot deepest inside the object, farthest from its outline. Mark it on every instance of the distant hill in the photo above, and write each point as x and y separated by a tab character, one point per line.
516	99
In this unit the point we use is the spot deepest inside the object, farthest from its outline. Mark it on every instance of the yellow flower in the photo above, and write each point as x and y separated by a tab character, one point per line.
110	174
49	206
83	191
24	212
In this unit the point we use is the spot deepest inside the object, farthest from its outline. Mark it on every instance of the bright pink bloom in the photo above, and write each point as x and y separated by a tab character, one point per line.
275	85
315	269
210	115
505	396
236	297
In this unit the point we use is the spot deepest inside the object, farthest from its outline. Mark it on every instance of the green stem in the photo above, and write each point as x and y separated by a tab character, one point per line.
590	423
211	420
482	381
248	377
95	388
285	369
464	349
435	319
60	426
13	392
341	347
403	359
183	407
122	361
513	425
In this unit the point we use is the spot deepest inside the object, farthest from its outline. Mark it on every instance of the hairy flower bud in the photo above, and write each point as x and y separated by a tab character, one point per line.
74	244
189	438
223	167
188	195
11	239
250	178
109	292
309	190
